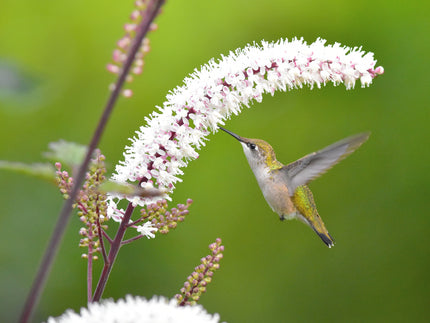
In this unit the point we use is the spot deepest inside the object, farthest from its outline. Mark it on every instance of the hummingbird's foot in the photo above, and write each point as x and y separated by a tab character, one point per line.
282	217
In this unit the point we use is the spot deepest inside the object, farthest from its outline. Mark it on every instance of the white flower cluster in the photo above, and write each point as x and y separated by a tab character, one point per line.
210	95
137	310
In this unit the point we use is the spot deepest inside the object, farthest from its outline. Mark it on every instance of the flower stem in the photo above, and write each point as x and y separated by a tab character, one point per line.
135	222
53	245
131	239
109	239
113	252
90	268
102	244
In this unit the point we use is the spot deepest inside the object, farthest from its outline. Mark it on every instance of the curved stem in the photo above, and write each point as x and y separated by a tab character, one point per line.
57	235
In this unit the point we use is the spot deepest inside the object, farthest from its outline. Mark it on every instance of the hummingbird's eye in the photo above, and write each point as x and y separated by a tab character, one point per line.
252	146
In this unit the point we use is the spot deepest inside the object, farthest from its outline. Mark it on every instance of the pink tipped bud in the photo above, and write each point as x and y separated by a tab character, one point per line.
130	27
379	70
153	26
127	93
124	42
218	257
146	48
135	15
113	68
140	4
137	70
139	62
118	56
212	246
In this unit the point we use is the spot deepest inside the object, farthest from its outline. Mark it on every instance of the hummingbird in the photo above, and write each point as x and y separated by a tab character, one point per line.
285	186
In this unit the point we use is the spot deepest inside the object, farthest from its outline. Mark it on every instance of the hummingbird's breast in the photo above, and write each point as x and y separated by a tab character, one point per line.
275	191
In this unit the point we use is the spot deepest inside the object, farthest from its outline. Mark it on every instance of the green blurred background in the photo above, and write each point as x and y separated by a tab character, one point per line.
375	203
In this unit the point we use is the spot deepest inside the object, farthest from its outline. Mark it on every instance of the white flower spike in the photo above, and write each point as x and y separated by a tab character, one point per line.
210	95
138	310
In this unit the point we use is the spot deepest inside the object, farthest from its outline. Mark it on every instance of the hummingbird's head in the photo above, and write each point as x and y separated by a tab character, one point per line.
258	152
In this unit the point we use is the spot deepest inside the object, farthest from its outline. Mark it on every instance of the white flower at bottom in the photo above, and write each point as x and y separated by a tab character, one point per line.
137	310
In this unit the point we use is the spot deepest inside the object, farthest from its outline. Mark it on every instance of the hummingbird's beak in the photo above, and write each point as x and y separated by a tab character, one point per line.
233	134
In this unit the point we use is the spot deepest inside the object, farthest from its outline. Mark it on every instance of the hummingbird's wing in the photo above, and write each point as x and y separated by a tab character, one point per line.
311	166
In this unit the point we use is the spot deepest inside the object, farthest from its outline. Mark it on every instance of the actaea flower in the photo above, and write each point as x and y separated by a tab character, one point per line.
210	95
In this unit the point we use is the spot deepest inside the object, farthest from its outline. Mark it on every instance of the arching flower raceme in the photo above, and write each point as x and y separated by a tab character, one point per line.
221	88
138	310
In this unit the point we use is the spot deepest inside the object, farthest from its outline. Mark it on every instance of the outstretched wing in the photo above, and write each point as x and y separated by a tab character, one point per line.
313	165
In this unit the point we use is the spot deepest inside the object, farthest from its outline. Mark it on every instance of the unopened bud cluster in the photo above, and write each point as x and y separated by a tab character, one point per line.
196	283
63	180
91	203
125	43
163	219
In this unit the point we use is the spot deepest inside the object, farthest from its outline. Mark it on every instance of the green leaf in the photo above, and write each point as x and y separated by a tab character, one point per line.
68	153
129	190
44	171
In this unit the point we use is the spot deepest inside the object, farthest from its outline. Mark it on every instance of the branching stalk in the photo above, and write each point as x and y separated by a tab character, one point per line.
113	252
54	243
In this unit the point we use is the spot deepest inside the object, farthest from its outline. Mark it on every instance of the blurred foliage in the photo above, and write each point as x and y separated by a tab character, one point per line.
374	203
70	154
44	171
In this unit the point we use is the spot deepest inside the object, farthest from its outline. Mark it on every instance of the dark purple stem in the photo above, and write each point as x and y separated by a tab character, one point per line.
131	240
109	239
53	245
136	222
102	244
113	252
90	267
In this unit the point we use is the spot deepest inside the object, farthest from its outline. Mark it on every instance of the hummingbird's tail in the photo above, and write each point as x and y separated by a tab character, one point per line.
325	237
305	204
